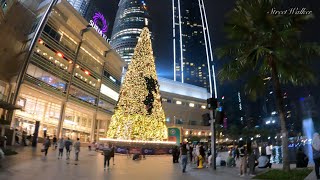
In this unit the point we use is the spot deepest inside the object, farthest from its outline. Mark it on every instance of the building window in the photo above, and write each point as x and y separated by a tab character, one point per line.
46	77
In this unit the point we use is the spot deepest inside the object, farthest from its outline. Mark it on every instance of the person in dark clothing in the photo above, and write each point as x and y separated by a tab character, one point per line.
175	154
184	157
107	156
46	145
68	146
202	153
112	154
54	142
190	153
302	159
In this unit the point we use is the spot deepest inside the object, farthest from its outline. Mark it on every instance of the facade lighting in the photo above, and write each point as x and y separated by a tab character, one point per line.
60	54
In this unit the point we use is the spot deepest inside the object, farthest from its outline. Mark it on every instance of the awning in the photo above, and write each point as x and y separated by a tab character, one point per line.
7	106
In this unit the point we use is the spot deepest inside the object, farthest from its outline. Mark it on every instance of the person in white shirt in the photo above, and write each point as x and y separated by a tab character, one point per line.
269	151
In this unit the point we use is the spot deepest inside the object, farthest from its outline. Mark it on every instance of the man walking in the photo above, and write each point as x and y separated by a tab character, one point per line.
68	145
184	157
46	145
77	149
107	156
61	144
54	142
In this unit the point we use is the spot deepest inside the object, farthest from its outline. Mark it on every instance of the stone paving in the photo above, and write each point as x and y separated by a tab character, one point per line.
30	164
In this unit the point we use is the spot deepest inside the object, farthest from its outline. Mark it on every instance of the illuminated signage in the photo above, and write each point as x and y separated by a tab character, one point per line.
102	30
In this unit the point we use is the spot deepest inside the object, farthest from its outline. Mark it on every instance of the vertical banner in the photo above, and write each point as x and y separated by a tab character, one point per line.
174	134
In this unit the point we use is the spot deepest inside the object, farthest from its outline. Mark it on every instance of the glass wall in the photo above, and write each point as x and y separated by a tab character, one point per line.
85	58
77	123
75	92
46	77
38	109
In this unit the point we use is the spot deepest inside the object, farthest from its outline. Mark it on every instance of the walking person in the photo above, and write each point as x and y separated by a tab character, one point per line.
77	149
316	153
61	144
107	155
46	145
184	157
54	142
68	145
191	152
112	153
243	158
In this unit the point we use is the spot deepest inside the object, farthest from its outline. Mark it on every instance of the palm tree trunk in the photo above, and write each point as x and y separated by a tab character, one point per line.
280	107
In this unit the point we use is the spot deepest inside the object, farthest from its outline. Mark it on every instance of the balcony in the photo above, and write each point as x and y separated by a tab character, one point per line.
84	86
67	52
49	67
42	85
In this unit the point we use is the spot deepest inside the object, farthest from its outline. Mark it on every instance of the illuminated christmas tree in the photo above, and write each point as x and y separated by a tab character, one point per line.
139	114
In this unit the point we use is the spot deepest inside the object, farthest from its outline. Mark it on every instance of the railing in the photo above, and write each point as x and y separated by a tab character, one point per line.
85	66
82	102
108	82
84	86
48	66
107	99
68	53
42	85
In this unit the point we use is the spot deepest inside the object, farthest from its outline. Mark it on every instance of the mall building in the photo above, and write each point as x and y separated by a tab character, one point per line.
184	105
71	85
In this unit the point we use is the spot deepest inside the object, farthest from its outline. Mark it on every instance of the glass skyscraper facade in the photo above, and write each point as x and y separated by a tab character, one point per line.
131	17
193	61
80	5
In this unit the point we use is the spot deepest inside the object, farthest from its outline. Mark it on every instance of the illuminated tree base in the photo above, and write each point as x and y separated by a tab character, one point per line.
137	128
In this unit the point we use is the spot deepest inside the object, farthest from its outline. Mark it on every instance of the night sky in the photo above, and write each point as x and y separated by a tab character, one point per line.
161	13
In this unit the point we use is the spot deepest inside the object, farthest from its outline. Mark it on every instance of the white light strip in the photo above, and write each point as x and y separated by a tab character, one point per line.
209	40
206	44
214	81
137	141
174	43
109	92
181	47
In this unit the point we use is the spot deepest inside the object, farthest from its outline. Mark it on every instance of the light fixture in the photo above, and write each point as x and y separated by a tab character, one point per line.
203	107
40	41
59	54
178	102
87	72
191	104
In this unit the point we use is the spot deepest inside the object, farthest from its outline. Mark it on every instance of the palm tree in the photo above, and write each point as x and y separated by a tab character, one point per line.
264	45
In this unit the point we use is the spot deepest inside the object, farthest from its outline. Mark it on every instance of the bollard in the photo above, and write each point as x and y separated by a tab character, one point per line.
200	162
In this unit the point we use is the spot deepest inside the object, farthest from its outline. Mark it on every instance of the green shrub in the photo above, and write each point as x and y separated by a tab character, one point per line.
293	174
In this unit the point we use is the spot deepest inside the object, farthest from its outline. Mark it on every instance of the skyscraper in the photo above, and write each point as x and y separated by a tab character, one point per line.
80	5
193	60
131	17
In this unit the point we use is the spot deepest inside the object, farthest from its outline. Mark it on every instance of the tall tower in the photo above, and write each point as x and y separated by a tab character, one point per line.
132	17
80	5
193	59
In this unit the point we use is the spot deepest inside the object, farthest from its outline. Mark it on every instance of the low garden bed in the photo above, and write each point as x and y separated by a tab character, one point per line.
293	174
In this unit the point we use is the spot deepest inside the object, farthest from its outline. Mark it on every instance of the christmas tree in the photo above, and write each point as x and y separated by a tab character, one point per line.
139	114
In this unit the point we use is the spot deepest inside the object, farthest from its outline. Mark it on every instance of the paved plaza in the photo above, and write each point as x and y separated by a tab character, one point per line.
29	164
